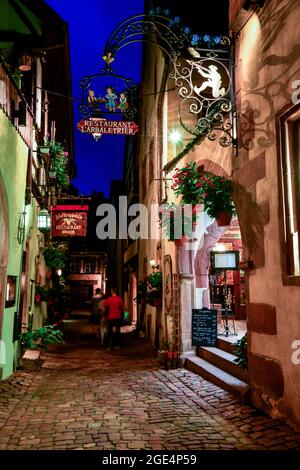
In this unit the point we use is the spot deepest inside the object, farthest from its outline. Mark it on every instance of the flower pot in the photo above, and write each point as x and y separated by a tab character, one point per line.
196	208
223	219
180	241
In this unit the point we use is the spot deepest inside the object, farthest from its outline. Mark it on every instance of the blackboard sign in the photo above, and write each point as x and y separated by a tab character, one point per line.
204	327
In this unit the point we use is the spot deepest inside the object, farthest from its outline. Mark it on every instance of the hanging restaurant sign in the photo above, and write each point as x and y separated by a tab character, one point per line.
117	97
69	221
201	67
103	126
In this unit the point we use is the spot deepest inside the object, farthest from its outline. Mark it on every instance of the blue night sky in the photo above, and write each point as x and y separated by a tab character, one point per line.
90	25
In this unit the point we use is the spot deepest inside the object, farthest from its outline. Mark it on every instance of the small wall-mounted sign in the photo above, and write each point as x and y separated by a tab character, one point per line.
103	126
69	221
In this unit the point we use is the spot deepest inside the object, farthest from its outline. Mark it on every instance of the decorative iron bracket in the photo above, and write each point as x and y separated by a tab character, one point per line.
202	69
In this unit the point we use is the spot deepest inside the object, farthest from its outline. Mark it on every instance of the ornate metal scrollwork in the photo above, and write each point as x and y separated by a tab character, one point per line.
153	28
204	83
21	228
202	72
117	96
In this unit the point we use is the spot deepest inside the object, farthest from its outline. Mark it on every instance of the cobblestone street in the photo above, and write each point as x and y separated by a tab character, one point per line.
87	398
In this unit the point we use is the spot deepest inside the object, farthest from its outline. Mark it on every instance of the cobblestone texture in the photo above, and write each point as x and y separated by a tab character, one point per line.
87	398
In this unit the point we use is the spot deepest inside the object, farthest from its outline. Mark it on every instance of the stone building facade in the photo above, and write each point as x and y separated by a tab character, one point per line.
266	193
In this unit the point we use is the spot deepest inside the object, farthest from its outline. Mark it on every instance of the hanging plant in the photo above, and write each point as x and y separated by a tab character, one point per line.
150	290
214	192
41	294
55	256
185	184
59	164
216	195
168	222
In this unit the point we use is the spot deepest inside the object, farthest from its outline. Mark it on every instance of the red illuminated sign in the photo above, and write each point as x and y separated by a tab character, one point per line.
69	221
103	126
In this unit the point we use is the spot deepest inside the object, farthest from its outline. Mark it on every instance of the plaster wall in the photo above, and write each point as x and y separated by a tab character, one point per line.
13	168
149	156
267	64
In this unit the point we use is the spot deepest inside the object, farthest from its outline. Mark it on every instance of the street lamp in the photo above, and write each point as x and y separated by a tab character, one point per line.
44	220
59	272
175	138
45	149
153	264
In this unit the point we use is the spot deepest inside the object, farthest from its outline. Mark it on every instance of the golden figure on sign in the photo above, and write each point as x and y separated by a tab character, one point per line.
108	58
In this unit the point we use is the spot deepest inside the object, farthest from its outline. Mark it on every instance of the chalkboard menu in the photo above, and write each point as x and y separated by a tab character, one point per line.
204	327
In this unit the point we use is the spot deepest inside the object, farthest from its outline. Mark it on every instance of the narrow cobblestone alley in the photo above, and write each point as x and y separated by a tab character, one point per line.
87	398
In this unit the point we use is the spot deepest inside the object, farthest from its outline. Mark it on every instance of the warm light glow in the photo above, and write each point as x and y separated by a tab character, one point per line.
96	135
175	136
44	220
251	44
25	63
59	272
220	247
8	291
152	263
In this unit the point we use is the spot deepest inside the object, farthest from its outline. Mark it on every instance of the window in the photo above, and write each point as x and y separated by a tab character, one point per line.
75	266
290	190
11	290
90	265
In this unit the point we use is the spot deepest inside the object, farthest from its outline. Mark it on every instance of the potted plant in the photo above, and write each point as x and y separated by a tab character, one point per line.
167	221
41	294
216	194
55	256
241	350
154	289
41	338
185	184
150	290
163	352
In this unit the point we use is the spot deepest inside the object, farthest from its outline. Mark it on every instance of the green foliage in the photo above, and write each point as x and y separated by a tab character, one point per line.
241	350
59	163
185	184
17	75
41	294
150	290
216	195
55	256
167	221
41	337
214	192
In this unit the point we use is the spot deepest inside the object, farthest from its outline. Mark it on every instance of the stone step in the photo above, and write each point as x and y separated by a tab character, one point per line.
31	360
225	345
223	360
219	377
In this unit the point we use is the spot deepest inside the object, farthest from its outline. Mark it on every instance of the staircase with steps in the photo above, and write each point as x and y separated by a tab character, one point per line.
216	364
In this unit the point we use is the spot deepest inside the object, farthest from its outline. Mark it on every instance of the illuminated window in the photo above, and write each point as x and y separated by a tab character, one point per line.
290	189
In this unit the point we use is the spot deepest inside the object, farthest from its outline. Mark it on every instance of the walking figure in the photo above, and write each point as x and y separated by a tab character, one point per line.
95	311
103	320
115	310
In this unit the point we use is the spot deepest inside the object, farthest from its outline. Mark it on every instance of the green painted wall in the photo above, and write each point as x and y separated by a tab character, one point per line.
13	169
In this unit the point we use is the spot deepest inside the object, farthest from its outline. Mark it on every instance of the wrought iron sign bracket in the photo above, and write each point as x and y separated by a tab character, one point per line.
202	69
